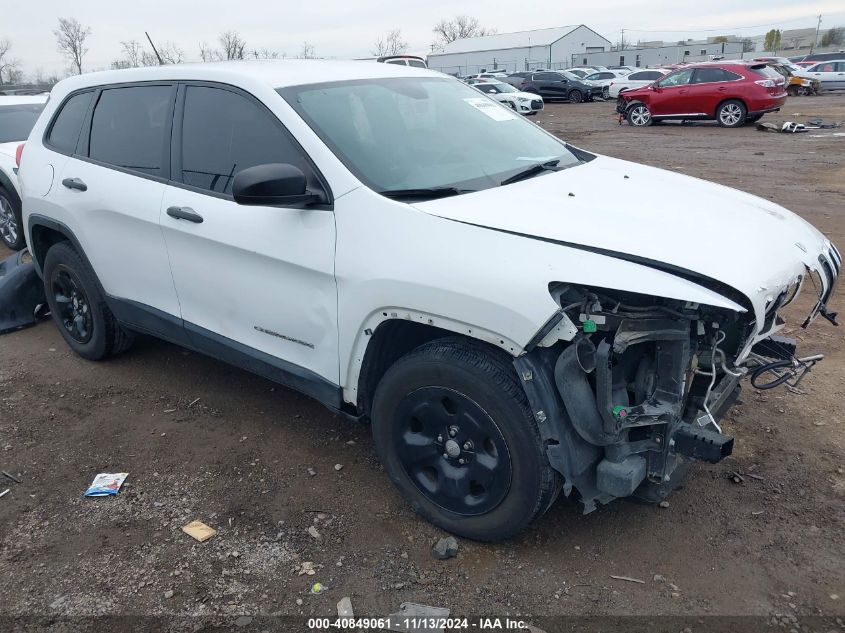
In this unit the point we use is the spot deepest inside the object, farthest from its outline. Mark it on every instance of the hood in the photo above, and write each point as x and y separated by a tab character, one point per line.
9	149
748	243
525	95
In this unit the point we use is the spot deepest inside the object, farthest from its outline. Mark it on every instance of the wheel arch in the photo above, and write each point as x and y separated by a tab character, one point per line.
398	332
7	185
44	233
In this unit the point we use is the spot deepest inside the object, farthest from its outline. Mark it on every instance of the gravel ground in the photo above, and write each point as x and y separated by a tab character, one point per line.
204	441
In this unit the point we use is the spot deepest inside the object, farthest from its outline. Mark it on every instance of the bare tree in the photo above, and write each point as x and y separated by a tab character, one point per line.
308	51
171	53
232	44
70	41
264	53
208	54
390	44
132	53
459	27
8	65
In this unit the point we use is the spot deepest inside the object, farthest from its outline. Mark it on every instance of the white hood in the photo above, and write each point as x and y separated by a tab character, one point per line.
9	149
746	242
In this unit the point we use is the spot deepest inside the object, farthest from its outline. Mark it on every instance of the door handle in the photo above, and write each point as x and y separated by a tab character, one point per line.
75	183
722	89
683	92
184	213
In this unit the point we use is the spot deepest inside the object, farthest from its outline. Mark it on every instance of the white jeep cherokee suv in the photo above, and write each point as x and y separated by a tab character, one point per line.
384	240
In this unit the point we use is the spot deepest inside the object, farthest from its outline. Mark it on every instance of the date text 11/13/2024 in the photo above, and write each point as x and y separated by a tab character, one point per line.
418	623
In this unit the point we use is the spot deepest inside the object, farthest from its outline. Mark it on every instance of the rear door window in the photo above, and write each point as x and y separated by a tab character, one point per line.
17	121
128	128
64	133
224	133
712	75
680	78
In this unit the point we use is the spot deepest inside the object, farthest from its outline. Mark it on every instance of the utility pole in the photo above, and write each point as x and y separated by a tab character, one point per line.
622	40
816	39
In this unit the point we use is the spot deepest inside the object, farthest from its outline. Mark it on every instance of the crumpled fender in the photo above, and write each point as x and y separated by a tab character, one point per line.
21	292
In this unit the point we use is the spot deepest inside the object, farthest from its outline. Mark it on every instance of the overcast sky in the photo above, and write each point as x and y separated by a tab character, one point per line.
349	28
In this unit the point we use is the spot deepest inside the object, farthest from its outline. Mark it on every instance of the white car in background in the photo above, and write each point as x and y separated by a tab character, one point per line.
831	74
603	78
523	102
17	116
636	79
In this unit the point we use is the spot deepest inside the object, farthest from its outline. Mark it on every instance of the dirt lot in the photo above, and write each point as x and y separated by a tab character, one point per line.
238	459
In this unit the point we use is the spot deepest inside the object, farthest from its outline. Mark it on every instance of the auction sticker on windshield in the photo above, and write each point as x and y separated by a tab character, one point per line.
490	108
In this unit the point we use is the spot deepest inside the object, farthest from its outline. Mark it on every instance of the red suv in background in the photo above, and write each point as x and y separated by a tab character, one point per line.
731	92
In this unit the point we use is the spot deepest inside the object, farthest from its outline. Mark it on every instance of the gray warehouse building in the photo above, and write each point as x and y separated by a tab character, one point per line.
524	50
656	55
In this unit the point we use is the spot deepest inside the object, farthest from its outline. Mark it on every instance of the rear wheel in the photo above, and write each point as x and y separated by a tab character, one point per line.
454	432
78	307
576	96
731	113
11	225
639	115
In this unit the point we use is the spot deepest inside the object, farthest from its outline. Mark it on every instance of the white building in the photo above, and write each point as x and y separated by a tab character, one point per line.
523	50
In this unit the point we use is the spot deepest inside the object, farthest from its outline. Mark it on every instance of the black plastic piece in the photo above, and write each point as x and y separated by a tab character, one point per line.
21	292
777	347
703	444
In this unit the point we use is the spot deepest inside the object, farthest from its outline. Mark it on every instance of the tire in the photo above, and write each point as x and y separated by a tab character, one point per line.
575	96
638	115
731	113
452	399
753	118
11	223
78	307
794	91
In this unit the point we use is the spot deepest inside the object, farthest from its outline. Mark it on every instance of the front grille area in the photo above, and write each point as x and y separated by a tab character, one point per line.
537	104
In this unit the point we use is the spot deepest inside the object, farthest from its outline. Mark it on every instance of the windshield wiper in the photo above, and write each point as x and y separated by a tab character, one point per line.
535	169
431	192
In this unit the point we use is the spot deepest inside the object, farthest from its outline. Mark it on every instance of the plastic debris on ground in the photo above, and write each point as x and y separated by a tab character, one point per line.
199	530
344	608
106	484
318	588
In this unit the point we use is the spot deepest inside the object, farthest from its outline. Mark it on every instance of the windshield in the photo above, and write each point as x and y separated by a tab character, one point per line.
16	121
570	76
593	77
503	87
422	133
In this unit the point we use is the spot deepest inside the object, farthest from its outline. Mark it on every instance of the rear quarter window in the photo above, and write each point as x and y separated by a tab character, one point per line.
767	72
66	127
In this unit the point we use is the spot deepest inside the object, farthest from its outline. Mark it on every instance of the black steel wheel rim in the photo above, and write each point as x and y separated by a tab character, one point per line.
452	450
72	305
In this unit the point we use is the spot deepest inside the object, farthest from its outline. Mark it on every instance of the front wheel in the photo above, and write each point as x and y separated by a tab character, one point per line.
731	113
79	308
455	433
11	227
639	115
576	96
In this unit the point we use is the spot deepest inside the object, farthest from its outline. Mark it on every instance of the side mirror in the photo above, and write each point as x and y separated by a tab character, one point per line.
271	185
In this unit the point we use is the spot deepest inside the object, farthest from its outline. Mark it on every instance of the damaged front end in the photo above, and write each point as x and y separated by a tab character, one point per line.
639	391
